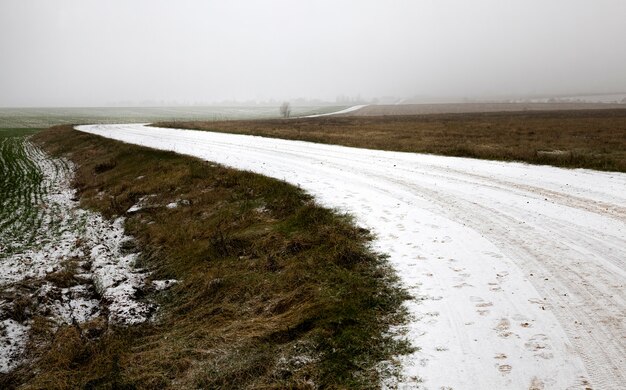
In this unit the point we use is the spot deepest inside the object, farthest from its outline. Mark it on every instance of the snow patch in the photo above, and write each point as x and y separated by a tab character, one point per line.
178	203
13	338
344	111
134	208
68	305
141	204
160	285
114	274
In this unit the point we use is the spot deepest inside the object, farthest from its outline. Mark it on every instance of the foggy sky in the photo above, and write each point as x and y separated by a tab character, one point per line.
93	53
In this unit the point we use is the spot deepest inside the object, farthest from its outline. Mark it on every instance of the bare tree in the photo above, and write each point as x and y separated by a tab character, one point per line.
285	109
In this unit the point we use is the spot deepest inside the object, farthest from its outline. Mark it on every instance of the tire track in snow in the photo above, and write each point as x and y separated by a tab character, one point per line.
518	271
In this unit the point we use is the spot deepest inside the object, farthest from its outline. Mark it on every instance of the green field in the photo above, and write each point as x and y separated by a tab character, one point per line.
45	117
26	178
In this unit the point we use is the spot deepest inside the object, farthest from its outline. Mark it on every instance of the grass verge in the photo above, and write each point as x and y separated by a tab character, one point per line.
274	291
594	139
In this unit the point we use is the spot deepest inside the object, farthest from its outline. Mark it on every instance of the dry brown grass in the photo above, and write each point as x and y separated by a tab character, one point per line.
466	108
274	292
594	139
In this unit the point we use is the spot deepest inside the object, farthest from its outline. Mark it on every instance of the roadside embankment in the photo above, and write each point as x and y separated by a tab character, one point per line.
271	290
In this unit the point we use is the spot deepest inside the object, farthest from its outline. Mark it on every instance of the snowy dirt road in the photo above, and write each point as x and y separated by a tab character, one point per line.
518	271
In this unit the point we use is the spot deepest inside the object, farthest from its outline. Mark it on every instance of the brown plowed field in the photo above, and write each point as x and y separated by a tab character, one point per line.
463	108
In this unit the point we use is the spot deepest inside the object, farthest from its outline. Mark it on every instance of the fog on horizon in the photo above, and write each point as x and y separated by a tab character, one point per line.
97	53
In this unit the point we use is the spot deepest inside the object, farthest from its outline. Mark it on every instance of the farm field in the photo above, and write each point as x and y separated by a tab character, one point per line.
23	187
52	253
516	271
32	224
469	108
45	117
594	139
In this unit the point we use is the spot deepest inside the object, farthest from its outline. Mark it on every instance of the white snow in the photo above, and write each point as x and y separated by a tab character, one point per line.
344	111
13	337
160	285
141	203
134	208
518	271
114	273
74	305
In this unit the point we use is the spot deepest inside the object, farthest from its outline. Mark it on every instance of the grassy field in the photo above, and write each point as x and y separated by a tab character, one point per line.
274	291
20	189
45	117
23	217
594	139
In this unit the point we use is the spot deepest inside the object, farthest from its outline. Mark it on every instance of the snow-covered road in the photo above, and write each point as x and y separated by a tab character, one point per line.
518	271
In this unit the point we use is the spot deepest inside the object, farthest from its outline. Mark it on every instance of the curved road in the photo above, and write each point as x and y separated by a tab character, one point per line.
518	271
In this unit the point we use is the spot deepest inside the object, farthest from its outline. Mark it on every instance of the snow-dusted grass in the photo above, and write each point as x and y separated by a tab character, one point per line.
13	338
53	253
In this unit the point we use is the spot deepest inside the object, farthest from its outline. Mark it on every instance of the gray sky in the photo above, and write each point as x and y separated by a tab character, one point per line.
85	52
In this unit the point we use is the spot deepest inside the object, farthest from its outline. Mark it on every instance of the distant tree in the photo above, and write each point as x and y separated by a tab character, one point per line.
285	109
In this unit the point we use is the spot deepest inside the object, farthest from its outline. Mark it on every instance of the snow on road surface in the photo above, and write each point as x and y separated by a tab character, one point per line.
518	271
344	111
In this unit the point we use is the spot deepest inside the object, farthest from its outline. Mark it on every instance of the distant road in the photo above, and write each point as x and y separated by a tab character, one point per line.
461	108
518	272
344	111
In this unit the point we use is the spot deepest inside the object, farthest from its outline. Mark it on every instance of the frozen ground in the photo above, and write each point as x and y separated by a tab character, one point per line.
518	271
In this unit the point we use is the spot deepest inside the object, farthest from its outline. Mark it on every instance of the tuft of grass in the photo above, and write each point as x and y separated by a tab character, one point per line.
594	139
274	291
